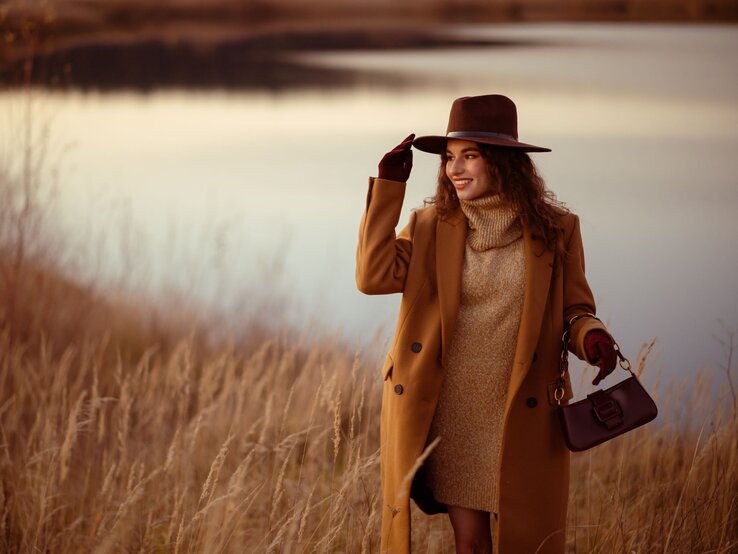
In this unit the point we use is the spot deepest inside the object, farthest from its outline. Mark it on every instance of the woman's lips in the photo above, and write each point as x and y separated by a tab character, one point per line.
461	183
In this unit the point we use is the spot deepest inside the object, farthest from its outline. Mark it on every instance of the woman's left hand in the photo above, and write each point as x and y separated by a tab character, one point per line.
601	352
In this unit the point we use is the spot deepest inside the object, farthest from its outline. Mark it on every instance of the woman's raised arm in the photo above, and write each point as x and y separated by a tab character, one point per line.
383	258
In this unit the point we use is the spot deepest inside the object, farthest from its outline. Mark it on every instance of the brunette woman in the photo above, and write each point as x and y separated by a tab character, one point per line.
490	272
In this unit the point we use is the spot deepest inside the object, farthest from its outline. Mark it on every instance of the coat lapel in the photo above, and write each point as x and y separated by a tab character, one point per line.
450	245
538	267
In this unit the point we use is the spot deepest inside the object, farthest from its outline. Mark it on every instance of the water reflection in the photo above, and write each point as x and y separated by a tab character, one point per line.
235	190
268	61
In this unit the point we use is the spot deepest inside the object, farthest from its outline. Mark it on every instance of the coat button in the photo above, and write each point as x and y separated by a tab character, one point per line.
531	402
416	347
398	389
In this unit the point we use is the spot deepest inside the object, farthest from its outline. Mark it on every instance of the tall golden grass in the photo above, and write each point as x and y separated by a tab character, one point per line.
276	449
272	450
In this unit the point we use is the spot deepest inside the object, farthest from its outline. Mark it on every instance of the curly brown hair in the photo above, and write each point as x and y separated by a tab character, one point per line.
520	183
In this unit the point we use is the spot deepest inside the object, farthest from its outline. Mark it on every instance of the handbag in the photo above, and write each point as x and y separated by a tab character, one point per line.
604	414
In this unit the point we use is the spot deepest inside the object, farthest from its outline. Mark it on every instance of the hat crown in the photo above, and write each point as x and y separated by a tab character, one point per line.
488	119
490	113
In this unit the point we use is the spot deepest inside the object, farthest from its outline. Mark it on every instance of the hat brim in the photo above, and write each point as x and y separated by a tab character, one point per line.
436	144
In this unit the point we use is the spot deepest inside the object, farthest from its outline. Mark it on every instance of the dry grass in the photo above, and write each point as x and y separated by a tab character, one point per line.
190	452
276	450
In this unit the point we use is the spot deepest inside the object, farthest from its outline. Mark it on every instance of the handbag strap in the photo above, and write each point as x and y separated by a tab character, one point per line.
564	362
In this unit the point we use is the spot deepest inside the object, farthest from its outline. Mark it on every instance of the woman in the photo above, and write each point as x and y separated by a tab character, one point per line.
489	273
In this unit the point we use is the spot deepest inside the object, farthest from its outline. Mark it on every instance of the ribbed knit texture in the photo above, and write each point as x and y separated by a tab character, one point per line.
492	222
461	469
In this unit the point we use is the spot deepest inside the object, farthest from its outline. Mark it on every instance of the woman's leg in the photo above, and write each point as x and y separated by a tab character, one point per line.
471	530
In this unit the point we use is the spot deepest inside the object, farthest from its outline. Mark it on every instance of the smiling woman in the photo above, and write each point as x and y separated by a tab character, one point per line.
490	271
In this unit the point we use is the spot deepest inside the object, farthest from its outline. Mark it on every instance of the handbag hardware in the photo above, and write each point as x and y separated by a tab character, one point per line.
564	364
607	410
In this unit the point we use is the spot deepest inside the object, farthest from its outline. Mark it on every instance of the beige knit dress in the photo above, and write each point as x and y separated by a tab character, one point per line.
461	469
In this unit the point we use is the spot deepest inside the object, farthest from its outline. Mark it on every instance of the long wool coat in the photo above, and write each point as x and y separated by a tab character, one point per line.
424	263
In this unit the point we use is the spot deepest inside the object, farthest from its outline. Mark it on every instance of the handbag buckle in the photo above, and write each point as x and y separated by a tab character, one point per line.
607	410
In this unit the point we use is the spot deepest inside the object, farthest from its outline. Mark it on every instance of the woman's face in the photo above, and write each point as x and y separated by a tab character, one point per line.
467	170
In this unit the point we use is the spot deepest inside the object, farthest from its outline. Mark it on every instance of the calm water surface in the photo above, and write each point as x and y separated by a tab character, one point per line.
222	194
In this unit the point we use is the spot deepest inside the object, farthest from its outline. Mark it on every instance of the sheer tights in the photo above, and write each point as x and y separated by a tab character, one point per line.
472	531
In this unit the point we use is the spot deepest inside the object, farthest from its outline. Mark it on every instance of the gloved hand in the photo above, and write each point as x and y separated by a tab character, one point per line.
397	163
601	352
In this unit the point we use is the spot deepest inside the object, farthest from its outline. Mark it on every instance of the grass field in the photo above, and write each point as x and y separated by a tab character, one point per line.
274	447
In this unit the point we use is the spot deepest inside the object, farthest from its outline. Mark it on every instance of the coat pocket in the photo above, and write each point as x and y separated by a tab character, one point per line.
568	392
387	367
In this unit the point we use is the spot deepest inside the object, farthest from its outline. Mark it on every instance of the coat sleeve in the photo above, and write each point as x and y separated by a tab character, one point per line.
383	258
578	299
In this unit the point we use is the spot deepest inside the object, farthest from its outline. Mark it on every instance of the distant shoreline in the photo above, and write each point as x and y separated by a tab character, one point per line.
132	44
65	23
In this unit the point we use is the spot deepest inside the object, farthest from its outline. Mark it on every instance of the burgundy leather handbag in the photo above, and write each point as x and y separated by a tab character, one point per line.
604	414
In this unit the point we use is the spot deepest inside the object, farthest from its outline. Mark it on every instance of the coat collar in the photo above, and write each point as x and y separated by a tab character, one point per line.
450	246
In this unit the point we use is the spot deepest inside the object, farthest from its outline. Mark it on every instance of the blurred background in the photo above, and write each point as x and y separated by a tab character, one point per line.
213	159
185	361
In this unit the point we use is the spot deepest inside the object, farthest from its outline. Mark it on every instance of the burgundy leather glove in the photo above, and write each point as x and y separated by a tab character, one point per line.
601	351
397	163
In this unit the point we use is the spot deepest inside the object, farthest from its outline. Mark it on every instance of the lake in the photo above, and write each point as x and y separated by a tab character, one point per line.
234	195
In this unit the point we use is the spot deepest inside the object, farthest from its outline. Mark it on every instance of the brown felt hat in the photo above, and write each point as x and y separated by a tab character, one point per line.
489	119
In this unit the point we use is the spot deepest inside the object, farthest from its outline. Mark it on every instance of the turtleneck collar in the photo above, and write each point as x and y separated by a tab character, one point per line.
493	222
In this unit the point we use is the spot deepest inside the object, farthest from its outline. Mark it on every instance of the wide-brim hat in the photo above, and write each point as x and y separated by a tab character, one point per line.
489	119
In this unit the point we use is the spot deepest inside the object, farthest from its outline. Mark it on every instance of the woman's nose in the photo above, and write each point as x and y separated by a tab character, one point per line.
456	167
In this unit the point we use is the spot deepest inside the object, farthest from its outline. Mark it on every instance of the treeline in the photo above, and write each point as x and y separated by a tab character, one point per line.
83	19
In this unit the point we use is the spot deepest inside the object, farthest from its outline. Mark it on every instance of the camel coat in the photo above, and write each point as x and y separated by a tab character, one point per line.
424	263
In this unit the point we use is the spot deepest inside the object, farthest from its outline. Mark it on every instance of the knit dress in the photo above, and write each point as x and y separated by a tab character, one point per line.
461	470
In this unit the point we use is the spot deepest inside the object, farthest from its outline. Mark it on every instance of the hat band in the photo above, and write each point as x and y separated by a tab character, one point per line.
479	134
